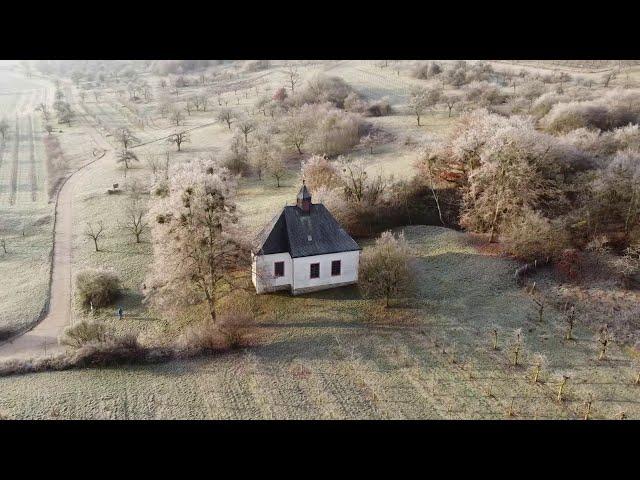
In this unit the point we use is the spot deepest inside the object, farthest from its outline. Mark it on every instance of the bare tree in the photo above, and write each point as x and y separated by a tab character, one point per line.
293	76
42	107
538	300
94	233
561	387
539	362
49	128
297	130
570	319
450	101
179	138
125	157
176	116
3	244
226	115
517	345
125	137
96	95
135	220
428	165
276	168
604	338
189	106
204	101
587	404
246	126
4	127
153	162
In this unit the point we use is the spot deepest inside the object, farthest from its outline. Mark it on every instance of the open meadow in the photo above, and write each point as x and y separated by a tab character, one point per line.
469	342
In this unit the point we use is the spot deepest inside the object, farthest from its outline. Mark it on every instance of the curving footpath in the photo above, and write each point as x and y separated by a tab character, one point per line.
42	339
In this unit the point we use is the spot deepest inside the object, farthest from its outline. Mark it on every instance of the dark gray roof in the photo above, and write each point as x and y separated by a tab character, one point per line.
273	237
304	234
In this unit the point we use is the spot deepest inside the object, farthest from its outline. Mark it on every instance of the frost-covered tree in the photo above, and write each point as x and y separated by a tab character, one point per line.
179	138
197	255
124	136
4	128
226	115
384	268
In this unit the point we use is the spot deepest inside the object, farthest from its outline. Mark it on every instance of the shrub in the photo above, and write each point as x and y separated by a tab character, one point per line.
256	65
384	268
335	132
99	287
322	89
234	326
83	332
379	108
533	237
615	109
237	158
318	171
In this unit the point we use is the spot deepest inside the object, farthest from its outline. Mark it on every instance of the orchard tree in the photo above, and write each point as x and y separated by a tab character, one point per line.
94	232
450	100
179	138
135	221
293	76
262	153
4	128
197	254
124	136
420	99
226	115
42	107
297	129
126	157
276	167
246	126
176	116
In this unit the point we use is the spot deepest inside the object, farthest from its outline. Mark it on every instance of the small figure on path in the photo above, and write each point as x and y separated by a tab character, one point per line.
120	313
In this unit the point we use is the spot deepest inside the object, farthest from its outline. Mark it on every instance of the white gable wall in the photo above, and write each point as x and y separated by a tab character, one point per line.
263	269
302	280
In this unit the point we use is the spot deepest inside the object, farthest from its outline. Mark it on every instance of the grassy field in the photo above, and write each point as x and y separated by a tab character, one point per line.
25	209
327	355
321	356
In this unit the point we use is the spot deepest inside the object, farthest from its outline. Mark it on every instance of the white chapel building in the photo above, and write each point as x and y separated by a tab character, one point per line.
304	249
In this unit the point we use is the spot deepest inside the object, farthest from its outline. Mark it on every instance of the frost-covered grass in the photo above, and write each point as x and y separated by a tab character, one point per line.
334	355
25	212
331	354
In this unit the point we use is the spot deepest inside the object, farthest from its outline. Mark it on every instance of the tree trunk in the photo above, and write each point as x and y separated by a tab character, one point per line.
492	238
418	117
95	242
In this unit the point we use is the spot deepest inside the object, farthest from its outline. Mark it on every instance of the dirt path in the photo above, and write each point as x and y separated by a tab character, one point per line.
43	338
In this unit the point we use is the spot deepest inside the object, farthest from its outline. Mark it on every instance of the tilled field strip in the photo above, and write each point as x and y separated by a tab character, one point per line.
15	165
